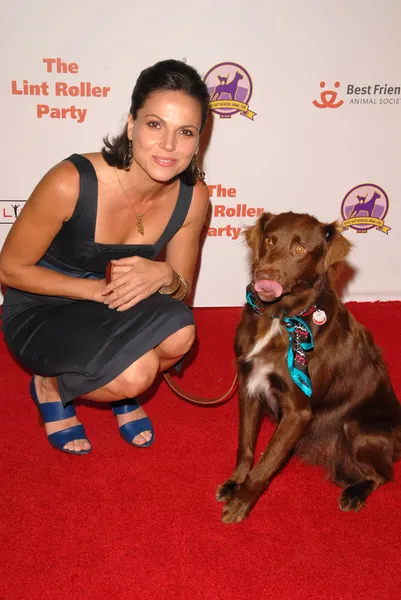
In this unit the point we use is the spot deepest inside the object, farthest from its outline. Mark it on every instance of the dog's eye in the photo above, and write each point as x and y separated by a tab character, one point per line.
299	249
268	241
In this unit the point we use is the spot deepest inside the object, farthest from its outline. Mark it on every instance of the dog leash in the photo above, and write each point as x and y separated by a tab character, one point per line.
199	399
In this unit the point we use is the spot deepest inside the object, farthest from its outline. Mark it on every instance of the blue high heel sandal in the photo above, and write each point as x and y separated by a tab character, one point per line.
55	411
133	428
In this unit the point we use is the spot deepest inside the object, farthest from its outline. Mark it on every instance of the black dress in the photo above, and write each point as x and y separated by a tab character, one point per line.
82	342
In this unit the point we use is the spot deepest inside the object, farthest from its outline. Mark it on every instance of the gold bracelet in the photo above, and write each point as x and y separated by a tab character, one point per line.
183	294
175	290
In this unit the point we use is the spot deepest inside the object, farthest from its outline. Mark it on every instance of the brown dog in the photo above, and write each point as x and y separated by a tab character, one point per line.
334	403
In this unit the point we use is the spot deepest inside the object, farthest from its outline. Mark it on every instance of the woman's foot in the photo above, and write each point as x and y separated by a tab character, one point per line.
46	391
143	437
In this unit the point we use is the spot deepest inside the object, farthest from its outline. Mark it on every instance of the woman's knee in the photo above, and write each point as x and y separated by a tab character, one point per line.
177	344
138	377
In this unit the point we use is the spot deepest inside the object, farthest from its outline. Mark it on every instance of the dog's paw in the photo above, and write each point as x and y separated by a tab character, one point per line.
226	490
235	511
354	497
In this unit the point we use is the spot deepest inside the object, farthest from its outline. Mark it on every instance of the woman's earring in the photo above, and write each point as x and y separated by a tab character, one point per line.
128	157
199	171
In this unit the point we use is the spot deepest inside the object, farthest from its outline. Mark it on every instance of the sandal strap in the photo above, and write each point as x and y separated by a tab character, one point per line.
123	407
55	411
134	428
61	438
51	411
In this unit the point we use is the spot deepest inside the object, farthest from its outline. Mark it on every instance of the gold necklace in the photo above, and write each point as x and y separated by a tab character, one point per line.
138	216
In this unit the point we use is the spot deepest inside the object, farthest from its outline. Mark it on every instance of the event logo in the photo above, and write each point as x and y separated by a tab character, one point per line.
9	210
375	93
365	207
230	88
46	89
328	97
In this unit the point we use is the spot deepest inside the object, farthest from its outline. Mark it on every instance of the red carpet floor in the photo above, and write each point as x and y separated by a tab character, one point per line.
126	523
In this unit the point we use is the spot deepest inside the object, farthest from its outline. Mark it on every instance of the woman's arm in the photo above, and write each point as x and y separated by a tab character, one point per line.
182	251
52	202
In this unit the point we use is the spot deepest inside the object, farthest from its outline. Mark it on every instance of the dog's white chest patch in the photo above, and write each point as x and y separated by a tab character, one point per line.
258	383
257	379
274	330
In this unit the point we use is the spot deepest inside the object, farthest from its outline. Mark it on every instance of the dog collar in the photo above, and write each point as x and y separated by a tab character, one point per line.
319	317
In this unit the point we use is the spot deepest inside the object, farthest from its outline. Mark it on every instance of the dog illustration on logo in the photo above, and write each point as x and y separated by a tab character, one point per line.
223	80
364	206
229	88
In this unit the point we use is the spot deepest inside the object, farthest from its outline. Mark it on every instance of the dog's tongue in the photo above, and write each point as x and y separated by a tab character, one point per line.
268	287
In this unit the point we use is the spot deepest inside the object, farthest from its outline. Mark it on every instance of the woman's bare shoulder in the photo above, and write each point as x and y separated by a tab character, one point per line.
58	189
199	205
63	177
200	194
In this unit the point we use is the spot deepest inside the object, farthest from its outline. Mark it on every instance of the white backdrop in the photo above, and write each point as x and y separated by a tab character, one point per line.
324	79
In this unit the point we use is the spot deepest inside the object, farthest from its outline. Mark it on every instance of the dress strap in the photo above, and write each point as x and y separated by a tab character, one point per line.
179	214
74	240
88	191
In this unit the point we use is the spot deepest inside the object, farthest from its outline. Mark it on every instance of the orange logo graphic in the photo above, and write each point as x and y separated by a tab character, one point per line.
328	97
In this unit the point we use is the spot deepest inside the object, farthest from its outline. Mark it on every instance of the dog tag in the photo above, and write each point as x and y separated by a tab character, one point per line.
319	317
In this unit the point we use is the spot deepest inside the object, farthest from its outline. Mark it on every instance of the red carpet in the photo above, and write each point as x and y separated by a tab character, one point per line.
125	523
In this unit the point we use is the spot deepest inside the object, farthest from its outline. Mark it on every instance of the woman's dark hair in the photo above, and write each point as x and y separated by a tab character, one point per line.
171	75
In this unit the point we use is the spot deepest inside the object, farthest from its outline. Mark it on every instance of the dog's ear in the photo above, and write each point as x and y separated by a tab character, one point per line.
254	234
338	247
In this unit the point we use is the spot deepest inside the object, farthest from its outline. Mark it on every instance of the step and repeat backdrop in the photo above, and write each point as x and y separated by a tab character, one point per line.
306	114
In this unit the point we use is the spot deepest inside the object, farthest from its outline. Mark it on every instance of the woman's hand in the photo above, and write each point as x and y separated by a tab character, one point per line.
134	279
